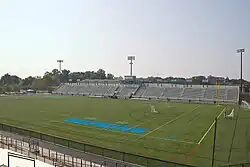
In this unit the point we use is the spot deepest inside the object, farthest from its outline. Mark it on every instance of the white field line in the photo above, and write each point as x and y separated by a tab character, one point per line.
144	122
211	126
159	127
173	140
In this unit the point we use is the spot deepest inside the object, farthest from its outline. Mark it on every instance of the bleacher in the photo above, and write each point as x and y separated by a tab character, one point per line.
173	92
227	94
153	92
125	91
195	93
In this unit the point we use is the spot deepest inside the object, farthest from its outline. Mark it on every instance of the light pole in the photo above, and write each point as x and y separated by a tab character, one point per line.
241	51
60	64
131	59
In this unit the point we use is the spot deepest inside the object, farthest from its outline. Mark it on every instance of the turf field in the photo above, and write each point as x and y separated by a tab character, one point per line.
178	132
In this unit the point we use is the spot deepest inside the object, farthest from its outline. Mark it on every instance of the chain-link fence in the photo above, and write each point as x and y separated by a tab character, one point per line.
108	156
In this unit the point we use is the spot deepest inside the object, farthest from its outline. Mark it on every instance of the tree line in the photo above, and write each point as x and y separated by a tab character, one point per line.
50	80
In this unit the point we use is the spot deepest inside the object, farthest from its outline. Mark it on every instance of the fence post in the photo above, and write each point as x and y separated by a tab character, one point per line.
215	129
49	154
63	158
16	145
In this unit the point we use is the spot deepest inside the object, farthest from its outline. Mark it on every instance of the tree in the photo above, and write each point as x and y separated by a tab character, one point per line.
47	80
120	78
64	76
55	72
100	74
197	80
39	84
110	76
8	79
28	81
15	88
7	88
5	79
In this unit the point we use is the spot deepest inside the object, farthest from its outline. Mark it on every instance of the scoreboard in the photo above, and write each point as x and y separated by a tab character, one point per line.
133	78
130	79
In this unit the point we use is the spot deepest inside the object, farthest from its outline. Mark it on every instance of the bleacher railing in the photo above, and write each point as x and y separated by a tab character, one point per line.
87	148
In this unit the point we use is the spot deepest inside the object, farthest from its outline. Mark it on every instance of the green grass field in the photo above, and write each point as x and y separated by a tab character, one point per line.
178	132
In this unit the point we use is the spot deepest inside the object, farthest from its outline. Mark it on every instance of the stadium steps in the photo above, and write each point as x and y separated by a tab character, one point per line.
127	91
183	93
118	90
137	89
108	92
55	90
140	91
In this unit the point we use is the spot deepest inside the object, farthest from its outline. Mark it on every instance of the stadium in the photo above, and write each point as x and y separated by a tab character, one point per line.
129	123
124	83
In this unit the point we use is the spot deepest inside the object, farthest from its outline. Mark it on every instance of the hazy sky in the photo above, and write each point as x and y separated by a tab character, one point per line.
168	37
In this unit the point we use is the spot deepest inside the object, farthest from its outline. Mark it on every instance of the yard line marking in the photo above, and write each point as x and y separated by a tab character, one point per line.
211	126
221	112
173	140
145	122
159	127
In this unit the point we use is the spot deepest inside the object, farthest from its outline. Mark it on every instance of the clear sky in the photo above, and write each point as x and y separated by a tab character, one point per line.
168	37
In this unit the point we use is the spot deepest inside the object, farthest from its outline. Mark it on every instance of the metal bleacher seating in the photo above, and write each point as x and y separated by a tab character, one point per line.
126	90
195	93
173	92
155	91
181	92
139	93
232	94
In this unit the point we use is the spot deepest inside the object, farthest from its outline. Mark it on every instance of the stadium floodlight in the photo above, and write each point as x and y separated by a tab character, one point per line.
60	64
131	58
241	51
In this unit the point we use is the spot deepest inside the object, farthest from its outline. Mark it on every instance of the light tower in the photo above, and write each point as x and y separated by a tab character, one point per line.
60	64
131	59
241	51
